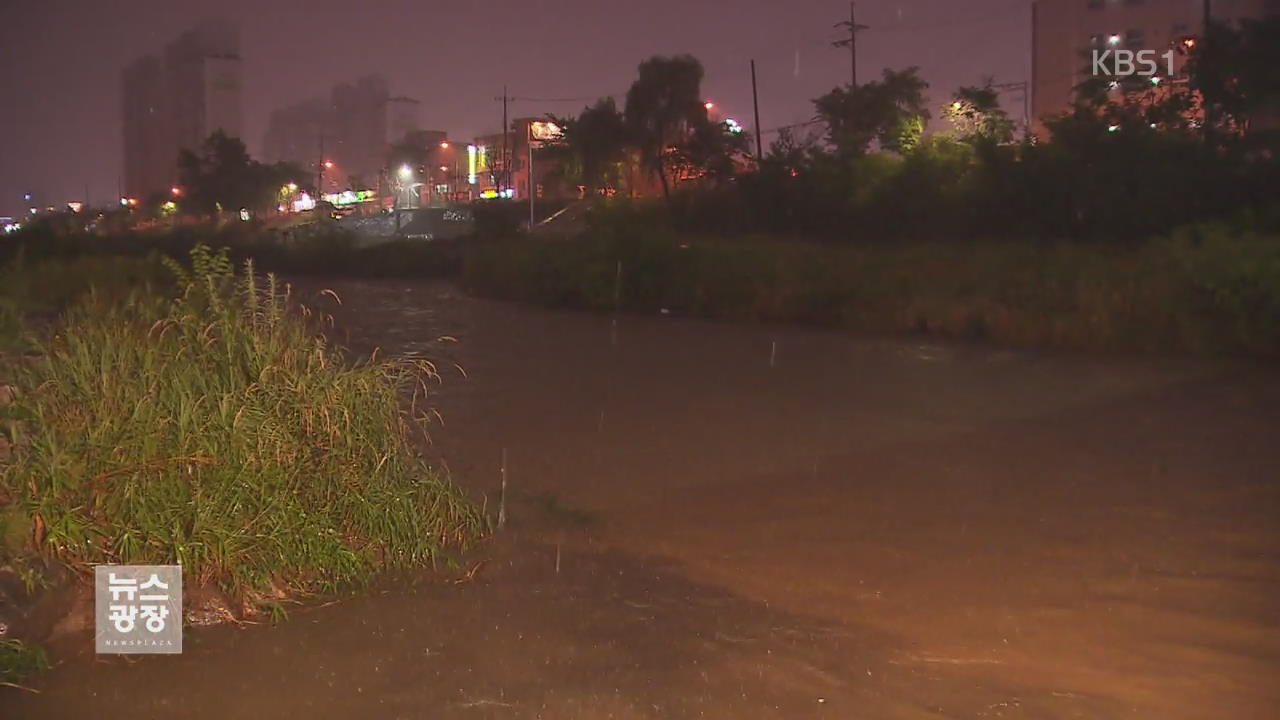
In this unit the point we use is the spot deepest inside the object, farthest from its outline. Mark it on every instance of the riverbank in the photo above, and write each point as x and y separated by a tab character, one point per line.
1207	289
1204	291
220	431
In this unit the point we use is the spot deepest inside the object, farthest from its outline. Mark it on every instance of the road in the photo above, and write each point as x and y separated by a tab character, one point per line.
731	521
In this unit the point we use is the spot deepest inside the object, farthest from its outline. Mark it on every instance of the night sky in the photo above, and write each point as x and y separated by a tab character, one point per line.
60	77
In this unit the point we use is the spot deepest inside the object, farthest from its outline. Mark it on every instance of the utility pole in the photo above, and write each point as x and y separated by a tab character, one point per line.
532	189
1023	87
320	169
504	178
1203	50
755	105
851	42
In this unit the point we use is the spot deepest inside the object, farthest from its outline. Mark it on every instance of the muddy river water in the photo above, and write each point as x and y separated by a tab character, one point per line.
738	521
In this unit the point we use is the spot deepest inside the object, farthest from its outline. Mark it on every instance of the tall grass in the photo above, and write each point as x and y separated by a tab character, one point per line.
1205	290
18	660
39	288
219	431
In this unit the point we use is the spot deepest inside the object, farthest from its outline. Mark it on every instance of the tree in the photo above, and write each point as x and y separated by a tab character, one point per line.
664	105
222	176
592	145
888	110
1237	72
711	150
976	114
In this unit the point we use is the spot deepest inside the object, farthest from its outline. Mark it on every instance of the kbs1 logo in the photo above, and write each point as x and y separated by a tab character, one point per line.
1123	63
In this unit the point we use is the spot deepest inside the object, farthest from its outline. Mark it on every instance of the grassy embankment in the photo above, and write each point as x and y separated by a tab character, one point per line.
1204	290
218	431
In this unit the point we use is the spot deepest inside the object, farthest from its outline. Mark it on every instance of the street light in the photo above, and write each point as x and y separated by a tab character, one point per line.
175	191
444	145
406	172
328	164
708	105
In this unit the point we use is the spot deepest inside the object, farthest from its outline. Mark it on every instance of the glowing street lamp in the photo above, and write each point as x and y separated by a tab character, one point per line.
328	164
406	172
708	105
444	145
175	191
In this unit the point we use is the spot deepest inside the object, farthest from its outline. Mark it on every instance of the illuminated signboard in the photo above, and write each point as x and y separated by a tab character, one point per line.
350	197
471	164
545	131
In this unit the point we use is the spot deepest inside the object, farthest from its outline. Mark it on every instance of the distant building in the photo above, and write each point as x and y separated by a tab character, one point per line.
360	127
1065	32
150	162
175	101
494	173
492	167
353	129
295	133
402	119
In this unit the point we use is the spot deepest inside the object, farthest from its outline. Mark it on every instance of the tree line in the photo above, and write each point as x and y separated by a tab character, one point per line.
1129	158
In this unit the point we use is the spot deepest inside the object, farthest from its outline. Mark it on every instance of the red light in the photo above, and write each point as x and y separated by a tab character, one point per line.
175	190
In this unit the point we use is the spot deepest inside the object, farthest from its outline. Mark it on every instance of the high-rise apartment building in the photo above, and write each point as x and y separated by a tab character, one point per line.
296	133
353	129
147	165
1064	33
175	101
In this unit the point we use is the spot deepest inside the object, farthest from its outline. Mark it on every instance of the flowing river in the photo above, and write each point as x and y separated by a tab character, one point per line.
733	521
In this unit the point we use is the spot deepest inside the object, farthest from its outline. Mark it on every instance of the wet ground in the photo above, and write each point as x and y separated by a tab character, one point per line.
731	521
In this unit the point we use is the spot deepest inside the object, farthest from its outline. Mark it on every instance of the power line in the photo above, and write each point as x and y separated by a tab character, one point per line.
560	100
